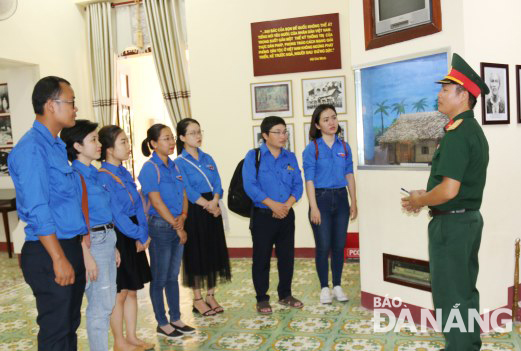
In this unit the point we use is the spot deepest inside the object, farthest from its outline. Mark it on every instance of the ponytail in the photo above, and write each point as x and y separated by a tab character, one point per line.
145	148
153	134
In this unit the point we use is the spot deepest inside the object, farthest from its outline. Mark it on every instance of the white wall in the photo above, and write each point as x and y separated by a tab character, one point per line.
384	228
221	70
50	34
492	33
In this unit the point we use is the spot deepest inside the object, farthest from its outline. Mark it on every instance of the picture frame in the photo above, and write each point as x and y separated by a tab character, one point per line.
324	90
271	99
6	132
518	90
4	153
5	108
307	126
495	105
258	140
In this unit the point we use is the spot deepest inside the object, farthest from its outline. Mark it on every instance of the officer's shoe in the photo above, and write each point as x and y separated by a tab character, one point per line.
325	296
338	293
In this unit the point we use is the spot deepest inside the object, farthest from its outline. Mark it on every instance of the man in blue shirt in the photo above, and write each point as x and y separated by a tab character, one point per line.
49	201
273	189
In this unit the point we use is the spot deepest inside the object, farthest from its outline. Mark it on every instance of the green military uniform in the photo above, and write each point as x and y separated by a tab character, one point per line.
454	234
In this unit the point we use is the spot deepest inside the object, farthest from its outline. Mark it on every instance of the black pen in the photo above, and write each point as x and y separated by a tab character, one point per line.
402	189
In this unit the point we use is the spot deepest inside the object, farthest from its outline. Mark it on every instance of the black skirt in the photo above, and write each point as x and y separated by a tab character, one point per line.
205	259
134	270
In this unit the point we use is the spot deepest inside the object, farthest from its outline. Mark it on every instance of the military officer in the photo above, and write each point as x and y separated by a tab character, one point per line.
454	194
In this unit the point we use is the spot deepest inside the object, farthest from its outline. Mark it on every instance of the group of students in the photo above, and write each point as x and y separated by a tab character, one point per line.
88	229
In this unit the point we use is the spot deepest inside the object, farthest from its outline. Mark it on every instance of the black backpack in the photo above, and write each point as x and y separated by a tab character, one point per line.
238	201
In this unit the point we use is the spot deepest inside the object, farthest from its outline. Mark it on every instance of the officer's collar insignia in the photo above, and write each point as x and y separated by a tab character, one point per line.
179	177
290	168
453	125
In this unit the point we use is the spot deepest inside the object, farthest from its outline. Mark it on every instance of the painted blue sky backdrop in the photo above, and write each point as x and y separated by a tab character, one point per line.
411	80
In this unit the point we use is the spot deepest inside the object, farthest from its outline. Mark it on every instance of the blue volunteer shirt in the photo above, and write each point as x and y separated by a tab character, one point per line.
170	186
194	181
332	166
99	198
47	196
125	202
278	179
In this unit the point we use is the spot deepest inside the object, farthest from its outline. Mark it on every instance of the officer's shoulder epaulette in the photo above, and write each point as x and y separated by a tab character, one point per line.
455	125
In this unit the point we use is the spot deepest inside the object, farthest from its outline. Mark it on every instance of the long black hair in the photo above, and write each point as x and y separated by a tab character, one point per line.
76	134
182	126
314	132
153	133
107	138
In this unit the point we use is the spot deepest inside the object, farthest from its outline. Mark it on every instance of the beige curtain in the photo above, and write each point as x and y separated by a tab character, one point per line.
102	62
163	25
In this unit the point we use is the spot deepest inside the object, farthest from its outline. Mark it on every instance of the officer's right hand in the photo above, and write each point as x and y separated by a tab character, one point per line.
63	271
280	210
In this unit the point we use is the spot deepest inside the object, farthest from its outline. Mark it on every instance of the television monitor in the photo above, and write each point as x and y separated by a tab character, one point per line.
395	15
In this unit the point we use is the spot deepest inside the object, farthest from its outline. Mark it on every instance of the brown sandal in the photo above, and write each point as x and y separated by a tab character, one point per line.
264	305
290	301
218	309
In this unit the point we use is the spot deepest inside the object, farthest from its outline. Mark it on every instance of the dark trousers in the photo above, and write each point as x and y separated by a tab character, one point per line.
58	306
331	234
454	242
268	231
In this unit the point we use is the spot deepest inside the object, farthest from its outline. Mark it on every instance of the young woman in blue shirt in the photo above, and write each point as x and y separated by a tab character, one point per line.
101	258
132	236
328	169
163	186
205	259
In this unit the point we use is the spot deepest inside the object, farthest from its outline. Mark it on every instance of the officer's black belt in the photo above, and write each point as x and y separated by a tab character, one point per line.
434	213
102	227
262	210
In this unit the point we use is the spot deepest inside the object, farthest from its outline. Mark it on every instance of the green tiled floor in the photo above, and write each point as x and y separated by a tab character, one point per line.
315	327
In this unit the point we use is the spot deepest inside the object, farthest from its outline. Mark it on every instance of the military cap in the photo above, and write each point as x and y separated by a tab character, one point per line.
461	73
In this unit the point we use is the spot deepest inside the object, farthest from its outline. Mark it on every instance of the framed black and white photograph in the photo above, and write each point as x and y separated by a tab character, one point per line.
258	140
327	90
4	100
341	124
518	91
495	104
271	99
4	153
6	133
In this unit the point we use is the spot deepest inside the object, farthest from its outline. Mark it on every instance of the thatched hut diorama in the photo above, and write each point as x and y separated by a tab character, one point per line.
413	137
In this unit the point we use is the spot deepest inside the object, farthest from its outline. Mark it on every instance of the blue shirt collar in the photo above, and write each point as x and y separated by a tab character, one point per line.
158	161
46	133
321	140
185	154
114	169
86	171
264	149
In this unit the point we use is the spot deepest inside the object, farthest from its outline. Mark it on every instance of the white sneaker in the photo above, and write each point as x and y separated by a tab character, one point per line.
338	293
325	296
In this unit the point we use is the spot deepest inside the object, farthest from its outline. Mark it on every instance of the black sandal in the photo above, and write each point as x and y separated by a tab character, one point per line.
218	309
206	313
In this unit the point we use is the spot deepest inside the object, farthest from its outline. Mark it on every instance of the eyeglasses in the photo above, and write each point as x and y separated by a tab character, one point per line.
168	138
198	133
279	133
65	101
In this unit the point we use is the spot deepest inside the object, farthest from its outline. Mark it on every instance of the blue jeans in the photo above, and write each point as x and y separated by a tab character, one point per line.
101	294
166	253
331	234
